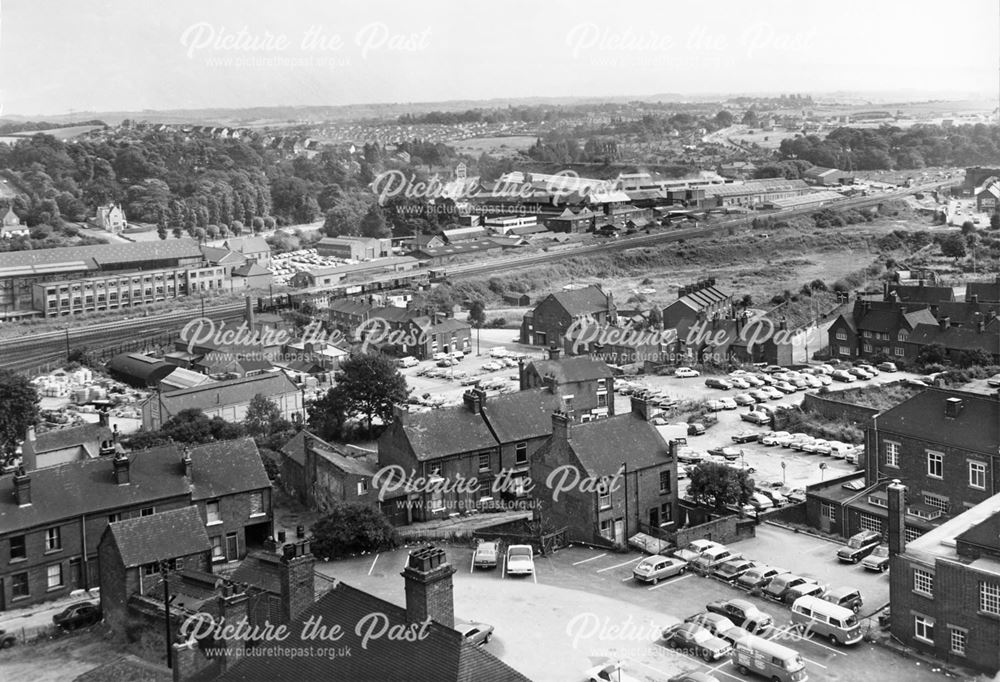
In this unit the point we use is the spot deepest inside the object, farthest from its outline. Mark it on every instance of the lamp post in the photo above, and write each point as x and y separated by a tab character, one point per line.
166	608
822	471
784	465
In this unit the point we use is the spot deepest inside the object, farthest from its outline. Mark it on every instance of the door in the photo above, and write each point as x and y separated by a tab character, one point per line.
620	531
232	547
654	517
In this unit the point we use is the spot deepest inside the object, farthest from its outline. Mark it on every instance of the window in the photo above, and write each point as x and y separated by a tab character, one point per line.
898	351
53	540
892	454
602	385
54	576
602	399
18	548
19	585
484	461
217	553
150	569
989	598
977	475
867	347
844	350
257	503
869	522
912	534
828	511
147	511
865	334
923	582
212	512
606	528
923	629
935	464
114	518
958	636
603	495
937	501
841	335
521	453
362	486
666	513
664	482
903	335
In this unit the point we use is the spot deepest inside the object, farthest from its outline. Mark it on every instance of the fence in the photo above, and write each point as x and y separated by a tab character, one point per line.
25	634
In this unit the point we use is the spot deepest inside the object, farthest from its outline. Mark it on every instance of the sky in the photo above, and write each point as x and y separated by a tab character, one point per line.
64	56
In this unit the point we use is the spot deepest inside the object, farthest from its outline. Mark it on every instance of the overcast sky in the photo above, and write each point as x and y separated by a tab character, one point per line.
58	56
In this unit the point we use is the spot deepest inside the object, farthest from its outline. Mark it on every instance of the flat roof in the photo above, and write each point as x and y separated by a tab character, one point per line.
940	542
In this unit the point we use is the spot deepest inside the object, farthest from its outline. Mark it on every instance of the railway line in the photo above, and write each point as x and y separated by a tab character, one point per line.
30	352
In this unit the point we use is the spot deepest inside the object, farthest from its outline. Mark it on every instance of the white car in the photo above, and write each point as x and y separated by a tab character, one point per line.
609	672
728	403
686	373
498	352
520	560
739	382
772	438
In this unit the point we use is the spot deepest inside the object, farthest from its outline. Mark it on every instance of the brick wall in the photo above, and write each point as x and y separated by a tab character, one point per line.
723	530
828	406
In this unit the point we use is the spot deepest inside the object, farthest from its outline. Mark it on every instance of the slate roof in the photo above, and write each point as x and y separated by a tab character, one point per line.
219	255
349	307
449	324
988	292
446	431
983	534
964	312
442	655
604	444
97	254
260	569
250	269
230	392
392	314
956	338
521	415
922	293
887	316
73	436
225	468
584	301
570	370
295	449
247	245
166	535
922	417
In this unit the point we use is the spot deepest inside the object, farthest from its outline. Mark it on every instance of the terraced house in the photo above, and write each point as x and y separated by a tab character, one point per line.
52	519
556	313
874	327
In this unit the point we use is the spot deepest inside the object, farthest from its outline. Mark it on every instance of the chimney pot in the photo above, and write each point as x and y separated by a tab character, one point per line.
974	298
22	487
953	407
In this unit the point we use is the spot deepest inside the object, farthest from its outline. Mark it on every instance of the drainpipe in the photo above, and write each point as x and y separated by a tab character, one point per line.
84	564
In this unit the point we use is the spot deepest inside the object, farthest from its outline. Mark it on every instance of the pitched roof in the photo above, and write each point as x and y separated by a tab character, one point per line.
295	449
349	307
247	245
225	468
921	293
75	435
90	257
887	316
604	444
988	292
250	269
260	569
955	338
442	655
585	301
521	415
446	431
964	312
217	254
230	392
922	417
166	535
570	370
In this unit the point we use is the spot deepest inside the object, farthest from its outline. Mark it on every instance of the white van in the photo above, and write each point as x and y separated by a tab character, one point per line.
837	623
771	660
840	450
408	361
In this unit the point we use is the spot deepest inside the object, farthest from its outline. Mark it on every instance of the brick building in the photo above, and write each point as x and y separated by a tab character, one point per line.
322	475
585	386
556	313
52	519
636	471
874	327
698	301
354	248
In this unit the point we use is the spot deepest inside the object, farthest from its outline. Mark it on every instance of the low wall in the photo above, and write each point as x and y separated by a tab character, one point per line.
835	409
723	530
790	513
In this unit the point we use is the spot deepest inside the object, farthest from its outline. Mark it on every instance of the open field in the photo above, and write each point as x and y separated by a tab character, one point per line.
498	146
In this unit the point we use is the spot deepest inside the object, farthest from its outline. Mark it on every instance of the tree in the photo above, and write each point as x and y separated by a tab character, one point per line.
719	485
975	357
18	411
932	354
724	119
368	385
968	227
327	415
373	224
749	118
953	246
257	224
264	417
995	221
351	529
187	426
655	317
477	314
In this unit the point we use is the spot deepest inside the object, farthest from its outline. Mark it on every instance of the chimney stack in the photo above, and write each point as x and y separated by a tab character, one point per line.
298	584
474	399
560	426
248	312
554	352
22	488
102	417
974	298
953	407
399	413
641	407
121	469
188	467
429	589
897	513
28	459
522	378
945	322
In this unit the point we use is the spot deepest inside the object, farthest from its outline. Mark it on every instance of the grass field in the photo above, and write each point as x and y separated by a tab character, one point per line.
494	146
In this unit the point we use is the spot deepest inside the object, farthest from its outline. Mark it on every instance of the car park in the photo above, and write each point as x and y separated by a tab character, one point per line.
758	577
694	549
848	597
772	438
486	555
769	659
729	571
655	568
696	640
781	584
744	614
716	382
477	634
746	437
710	558
78	615
744	399
756	417
859	546
686	373
726	452
728	403
887	366
520	560
878	560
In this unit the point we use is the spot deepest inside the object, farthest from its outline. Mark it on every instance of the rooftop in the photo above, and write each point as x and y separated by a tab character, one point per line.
166	535
923	417
940	542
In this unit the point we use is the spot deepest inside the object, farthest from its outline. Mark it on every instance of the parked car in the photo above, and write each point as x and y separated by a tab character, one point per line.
824	379
801	443
486	555
756	417
837	449
687	455
859	546
728	403
715	405
773	369
760	395
780	584
994	381
686	373
785	387
7	640
787	439
743	614
868	368
655	568
859	373
746	437
696	639
799	383
744	399
878	560
78	615
843	375
752	379
795	495
776	497
696	429
520	560
816	445
758	577
759	502
408	361
716	382
742	466
848	597
609	672
773	393
715	623
710	558
772	438
475	633
729	571
694	676
728	453
694	549
804	590
739	382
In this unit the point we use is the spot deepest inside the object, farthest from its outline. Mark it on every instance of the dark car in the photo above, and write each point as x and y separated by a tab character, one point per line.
730	454
729	571
780	585
759	577
78	615
696	641
746	437
859	546
696	429
743	614
878	560
7	640
848	597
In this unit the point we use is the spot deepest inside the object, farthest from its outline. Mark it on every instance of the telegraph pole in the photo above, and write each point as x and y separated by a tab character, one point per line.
166	607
